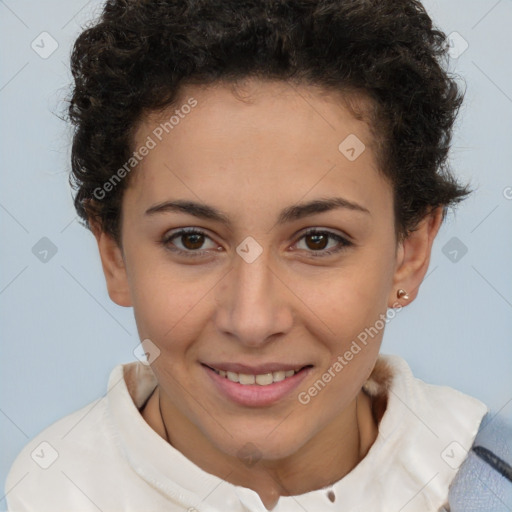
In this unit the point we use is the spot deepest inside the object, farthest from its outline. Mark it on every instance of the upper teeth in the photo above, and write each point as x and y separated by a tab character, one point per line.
263	379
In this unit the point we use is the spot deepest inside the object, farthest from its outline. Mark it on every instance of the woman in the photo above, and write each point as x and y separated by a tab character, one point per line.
265	181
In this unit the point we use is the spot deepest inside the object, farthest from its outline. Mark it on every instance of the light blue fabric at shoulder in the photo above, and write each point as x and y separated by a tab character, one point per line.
484	481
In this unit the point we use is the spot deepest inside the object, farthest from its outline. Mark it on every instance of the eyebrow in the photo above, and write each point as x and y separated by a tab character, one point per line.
289	214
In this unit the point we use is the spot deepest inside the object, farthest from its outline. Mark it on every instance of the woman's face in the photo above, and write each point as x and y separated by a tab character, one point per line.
252	292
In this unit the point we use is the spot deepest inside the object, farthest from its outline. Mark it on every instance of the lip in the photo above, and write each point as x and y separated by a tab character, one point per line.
254	395
259	369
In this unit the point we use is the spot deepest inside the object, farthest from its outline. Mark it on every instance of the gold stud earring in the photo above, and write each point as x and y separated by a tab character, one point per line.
402	294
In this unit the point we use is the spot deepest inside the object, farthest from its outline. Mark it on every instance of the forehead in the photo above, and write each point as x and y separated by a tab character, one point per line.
256	138
252	104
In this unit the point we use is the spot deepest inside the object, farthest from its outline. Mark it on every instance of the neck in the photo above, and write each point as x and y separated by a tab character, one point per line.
322	461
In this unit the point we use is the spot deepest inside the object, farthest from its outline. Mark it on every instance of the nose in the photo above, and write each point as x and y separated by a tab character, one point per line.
253	302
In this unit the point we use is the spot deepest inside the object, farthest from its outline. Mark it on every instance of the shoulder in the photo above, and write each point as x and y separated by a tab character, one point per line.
484	480
43	470
439	405
477	453
426	429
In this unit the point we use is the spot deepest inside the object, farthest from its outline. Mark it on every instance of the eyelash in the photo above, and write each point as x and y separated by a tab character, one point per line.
312	231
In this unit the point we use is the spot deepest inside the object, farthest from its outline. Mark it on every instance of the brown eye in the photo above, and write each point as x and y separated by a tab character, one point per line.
192	241
317	242
188	242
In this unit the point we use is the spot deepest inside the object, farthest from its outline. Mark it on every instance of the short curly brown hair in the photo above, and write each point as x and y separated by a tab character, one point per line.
139	54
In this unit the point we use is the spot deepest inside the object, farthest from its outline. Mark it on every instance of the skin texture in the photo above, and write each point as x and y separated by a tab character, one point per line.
250	155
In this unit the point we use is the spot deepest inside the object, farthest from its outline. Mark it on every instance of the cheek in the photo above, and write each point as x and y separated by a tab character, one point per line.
352	308
167	304
355	312
171	303
352	297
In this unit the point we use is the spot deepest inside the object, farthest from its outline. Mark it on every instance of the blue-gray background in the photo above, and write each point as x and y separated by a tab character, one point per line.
61	334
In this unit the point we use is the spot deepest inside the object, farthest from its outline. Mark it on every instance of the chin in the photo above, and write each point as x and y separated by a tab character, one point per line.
259	445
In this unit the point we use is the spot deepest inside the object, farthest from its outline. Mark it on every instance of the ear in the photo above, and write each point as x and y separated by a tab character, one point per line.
413	257
112	261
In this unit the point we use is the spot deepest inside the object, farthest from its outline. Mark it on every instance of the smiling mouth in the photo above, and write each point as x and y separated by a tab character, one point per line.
263	379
